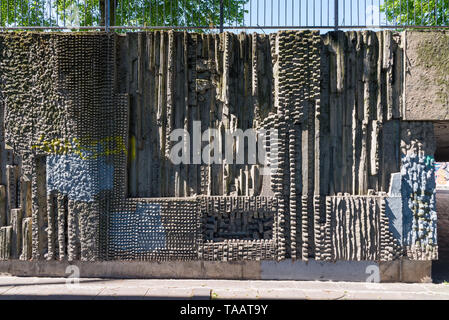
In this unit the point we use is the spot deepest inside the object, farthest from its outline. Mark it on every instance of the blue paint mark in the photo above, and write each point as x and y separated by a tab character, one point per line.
138	231
120	234
418	200
150	232
79	179
393	210
430	161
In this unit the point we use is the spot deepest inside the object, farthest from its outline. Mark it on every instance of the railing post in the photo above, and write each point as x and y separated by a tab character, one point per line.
221	16
107	14
336	14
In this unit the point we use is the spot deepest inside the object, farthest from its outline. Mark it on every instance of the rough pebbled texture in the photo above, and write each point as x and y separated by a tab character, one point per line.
87	118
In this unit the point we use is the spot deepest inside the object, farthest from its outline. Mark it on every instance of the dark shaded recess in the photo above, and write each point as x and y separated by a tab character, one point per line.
442	137
440	268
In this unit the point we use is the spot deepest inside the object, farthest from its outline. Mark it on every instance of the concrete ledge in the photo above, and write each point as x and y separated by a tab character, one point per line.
390	271
416	271
355	271
249	270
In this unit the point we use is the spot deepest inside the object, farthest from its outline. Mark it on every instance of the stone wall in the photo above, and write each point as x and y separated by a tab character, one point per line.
361	86
64	132
85	173
426	72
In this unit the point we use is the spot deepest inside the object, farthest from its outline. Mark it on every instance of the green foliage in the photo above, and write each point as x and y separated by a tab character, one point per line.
177	12
417	12
123	12
50	13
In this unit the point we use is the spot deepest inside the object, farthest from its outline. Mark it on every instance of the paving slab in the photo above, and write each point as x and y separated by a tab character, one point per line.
64	288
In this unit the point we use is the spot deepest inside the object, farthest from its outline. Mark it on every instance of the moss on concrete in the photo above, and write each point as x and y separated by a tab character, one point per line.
434	54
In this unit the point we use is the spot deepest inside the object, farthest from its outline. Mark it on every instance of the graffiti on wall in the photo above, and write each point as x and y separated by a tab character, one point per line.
78	167
77	178
442	175
418	195
84	148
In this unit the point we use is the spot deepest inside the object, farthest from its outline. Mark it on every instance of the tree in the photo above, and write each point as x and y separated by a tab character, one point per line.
121	12
417	12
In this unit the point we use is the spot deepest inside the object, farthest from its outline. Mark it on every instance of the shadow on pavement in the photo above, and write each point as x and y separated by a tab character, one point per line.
42	283
95	297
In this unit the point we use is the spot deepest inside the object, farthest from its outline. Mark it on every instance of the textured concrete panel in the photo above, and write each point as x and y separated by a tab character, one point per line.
87	123
357	271
416	271
315	270
70	175
393	210
390	271
426	75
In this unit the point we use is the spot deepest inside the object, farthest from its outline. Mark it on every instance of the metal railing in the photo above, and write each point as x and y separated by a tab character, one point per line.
207	15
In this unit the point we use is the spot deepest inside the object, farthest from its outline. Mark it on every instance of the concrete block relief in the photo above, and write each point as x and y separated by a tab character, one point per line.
70	189
357	228
419	209
150	231
246	218
164	229
237	228
61	159
418	190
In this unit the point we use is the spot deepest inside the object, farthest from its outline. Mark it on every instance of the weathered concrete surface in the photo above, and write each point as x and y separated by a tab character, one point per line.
358	271
416	271
335	99
315	270
426	76
94	288
390	271
126	269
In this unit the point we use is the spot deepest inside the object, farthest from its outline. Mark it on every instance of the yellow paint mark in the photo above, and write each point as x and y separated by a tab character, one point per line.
132	142
88	149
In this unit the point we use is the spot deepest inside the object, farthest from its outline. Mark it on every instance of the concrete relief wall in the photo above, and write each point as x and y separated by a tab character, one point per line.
176	79
60	115
84	154
418	188
360	115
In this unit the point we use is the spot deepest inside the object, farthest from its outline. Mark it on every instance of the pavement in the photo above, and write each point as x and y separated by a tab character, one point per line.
69	288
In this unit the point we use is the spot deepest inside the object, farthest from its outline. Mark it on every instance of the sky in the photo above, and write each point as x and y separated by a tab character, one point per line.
312	13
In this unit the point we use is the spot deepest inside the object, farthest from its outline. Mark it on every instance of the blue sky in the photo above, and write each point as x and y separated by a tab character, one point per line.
312	13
